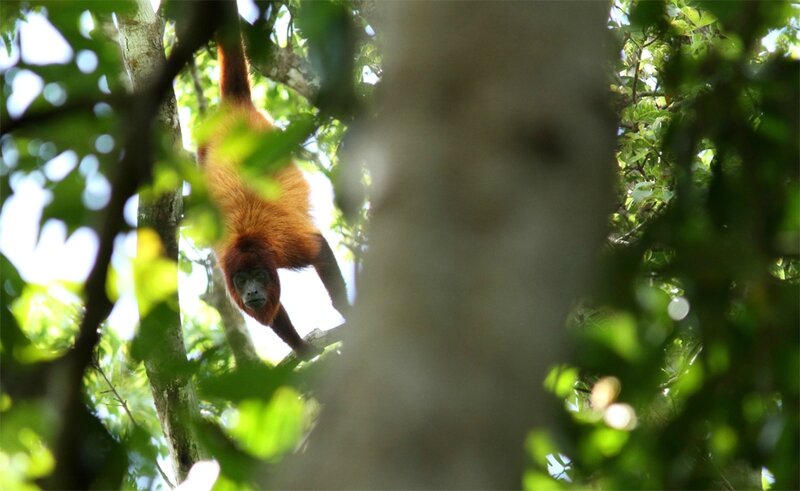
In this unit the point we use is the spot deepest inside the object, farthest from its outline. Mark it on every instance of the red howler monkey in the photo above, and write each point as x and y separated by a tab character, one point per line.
262	235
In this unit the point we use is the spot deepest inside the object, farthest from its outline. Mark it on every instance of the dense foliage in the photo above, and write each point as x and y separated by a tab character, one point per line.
686	365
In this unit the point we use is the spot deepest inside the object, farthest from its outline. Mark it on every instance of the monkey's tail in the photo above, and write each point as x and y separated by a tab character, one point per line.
234	82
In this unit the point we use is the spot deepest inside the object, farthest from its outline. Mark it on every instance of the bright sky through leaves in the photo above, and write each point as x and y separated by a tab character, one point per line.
48	255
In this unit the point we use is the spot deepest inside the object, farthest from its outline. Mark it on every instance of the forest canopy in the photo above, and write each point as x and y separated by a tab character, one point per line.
123	363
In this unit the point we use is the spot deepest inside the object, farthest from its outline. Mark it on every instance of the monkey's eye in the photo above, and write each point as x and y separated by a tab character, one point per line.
239	280
260	275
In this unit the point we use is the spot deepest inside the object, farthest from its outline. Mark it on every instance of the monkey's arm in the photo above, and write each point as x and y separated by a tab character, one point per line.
331	276
283	327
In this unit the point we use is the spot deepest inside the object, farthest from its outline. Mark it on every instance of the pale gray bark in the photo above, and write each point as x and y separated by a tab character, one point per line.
143	52
492	175
286	67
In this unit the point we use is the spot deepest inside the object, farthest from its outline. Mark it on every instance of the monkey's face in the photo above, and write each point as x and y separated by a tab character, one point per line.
251	286
252	278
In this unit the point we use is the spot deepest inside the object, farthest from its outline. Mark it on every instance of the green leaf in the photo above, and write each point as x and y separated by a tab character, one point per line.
609	442
249	382
269	429
539	445
537	480
561	380
700	18
234	463
690	381
67	204
618	332
642	191
647	14
271	149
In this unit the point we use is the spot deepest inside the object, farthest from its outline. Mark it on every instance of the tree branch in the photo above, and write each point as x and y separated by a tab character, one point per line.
318	338
69	108
202	102
287	67
134	170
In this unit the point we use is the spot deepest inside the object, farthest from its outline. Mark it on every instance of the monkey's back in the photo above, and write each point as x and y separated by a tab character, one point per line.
283	222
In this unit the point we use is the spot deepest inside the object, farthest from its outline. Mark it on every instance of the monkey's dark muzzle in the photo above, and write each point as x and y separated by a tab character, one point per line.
255	303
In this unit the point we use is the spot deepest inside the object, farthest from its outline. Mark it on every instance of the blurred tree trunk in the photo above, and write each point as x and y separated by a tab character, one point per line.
176	404
492	181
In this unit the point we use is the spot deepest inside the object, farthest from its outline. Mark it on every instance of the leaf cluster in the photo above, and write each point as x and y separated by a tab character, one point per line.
695	315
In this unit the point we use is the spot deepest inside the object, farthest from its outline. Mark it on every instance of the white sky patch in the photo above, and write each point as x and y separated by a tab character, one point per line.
556	469
131	211
620	416
124	318
104	143
770	40
368	76
202	476
41	43
86	24
97	192
102	84
281	25
19	220
25	87
52	256
8	59
248	10
678	308
184	116
54	93
618	16
86	60
61	165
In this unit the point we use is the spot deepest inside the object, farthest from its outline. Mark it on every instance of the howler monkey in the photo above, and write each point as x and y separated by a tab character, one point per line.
261	235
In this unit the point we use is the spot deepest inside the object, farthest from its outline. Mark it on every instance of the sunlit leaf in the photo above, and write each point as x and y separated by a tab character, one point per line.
537	480
561	380
619	333
155	276
539	445
248	382
268	429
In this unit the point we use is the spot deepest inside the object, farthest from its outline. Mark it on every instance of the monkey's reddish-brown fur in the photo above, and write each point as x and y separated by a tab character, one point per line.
282	223
259	232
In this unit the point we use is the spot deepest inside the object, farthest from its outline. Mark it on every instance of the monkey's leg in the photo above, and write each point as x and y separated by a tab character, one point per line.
331	276
283	327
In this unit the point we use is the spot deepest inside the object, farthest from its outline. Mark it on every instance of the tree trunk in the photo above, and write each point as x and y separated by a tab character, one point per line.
176	404
492	176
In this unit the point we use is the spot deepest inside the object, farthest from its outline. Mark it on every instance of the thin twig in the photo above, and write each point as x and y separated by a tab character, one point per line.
623	240
124	405
202	103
